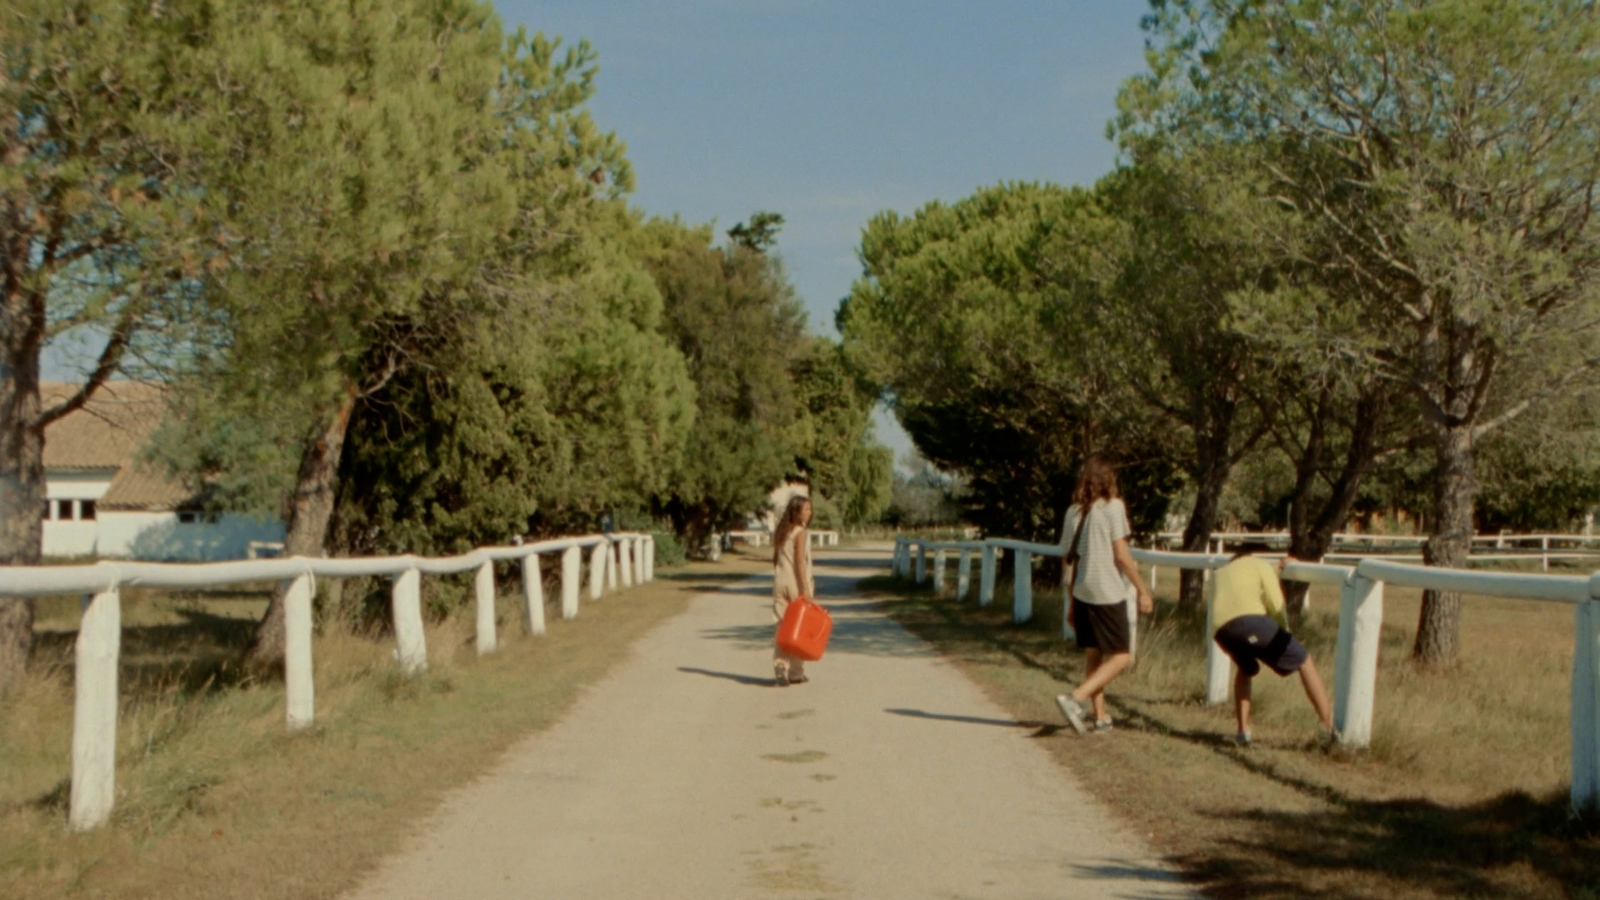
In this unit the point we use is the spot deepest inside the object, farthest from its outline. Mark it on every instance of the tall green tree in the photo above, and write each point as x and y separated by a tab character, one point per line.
981	322
1449	153
96	233
836	450
733	314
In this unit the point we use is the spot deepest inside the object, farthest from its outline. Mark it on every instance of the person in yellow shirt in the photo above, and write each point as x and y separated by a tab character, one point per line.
1247	611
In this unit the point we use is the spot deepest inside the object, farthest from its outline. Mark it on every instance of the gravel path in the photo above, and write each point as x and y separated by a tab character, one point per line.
686	774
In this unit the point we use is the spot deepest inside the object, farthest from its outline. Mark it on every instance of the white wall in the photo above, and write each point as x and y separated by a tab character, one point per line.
161	536
73	537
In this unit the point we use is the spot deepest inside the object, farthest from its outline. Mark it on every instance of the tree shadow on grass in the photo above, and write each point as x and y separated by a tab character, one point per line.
1511	846
194	656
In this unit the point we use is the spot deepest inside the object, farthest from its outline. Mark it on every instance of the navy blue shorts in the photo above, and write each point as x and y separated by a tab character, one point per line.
1253	640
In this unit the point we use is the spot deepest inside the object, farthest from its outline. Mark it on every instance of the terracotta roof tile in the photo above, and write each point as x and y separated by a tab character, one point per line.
108	433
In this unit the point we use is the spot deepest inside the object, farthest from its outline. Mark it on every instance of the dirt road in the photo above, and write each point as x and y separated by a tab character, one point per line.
687	774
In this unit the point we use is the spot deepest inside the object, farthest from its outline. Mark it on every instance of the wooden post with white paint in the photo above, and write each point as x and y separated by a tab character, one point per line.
625	553
1586	704
597	570
963	574
613	563
571	579
922	563
987	571
411	648
1219	666
483	592
94	712
1355	678
939	556
1022	588
648	561
533	594
299	689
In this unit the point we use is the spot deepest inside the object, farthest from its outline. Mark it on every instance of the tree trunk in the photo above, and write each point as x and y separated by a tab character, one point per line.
1454	491
307	528
1310	538
1210	480
22	488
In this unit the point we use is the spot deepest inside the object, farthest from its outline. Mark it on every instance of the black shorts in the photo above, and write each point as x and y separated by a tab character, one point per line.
1104	628
1253	640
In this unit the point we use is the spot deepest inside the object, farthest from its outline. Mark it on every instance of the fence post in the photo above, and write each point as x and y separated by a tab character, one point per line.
963	574
571	577
94	712
483	590
649	558
299	690
406	605
625	554
1022	588
938	570
1219	668
1544	553
613	563
986	573
597	570
922	563
533	594
1586	704
1355	679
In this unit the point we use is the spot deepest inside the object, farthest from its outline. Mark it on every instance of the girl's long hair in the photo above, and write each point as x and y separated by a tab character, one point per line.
788	523
1097	481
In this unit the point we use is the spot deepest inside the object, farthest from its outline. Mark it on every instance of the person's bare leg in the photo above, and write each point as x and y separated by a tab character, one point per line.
1093	659
1241	701
1109	668
1317	693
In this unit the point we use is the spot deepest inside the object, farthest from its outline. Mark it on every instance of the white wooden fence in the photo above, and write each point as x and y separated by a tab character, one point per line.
1360	624
1352	547
626	557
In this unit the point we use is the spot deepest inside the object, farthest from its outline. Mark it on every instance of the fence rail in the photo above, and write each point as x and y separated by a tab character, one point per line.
617	558
1360	623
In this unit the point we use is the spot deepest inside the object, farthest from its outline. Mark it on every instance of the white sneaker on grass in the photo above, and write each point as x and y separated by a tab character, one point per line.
1073	710
1242	739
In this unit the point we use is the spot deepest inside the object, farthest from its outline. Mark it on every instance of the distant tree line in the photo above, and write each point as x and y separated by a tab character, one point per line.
1346	266
384	257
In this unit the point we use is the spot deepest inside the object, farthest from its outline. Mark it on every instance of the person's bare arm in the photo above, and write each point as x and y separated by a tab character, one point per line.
802	545
1119	550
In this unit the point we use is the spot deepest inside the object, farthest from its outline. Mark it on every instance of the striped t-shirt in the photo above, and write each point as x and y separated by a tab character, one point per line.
1099	581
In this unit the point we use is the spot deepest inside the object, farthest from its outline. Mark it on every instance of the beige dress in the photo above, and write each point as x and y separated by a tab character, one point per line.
786	586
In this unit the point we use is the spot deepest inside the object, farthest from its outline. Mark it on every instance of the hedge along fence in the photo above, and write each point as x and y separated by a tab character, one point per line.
1360	624
626	557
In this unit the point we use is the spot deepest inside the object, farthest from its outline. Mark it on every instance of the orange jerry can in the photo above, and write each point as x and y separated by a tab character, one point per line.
804	630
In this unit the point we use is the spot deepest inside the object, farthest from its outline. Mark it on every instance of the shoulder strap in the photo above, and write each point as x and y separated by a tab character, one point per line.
1072	549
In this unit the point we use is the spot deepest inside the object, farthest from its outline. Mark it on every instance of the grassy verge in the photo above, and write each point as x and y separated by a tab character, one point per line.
215	799
1463	794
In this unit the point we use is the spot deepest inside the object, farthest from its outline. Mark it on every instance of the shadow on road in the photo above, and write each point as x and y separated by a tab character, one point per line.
858	627
751	680
1041	729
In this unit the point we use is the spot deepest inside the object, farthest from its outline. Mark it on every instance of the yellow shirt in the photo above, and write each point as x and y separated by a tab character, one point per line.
1246	587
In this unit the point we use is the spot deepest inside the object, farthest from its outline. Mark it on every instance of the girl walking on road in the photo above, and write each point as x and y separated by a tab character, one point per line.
1094	539
791	580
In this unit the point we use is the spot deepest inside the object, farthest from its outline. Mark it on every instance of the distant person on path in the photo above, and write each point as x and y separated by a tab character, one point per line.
791	580
1247	610
1102	575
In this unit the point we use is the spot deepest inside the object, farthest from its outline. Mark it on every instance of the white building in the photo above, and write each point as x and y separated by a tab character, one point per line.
103	500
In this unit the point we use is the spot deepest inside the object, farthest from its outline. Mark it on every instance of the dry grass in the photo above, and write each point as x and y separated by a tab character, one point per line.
216	799
1463	794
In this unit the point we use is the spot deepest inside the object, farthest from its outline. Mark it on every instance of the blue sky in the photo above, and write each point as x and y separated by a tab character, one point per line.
828	112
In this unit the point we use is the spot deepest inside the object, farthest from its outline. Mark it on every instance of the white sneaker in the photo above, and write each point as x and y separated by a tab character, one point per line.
780	676
1073	710
1242	739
